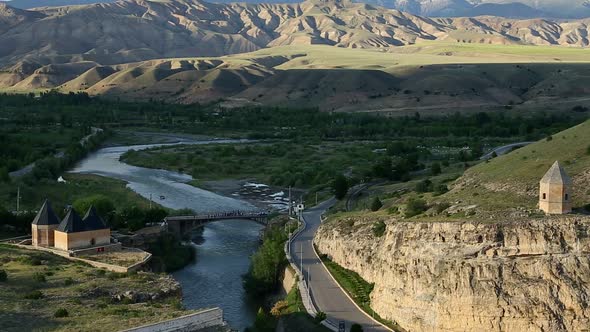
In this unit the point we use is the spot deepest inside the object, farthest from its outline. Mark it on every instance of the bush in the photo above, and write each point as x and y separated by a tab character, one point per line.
68	281
588	150
379	228
61	312
415	206
39	277
435	169
3	276
549	138
376	204
34	295
393	210
440	207
424	186
356	328
320	316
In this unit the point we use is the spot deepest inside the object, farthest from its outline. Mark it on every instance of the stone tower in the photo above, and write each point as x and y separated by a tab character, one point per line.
44	225
555	191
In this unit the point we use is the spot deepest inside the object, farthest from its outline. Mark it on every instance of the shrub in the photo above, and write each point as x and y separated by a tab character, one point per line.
320	316
424	186
68	281
440	189
3	276
379	228
435	169
39	277
549	138
588	150
34	295
356	328
376	204
393	210
415	206
440	207
61	312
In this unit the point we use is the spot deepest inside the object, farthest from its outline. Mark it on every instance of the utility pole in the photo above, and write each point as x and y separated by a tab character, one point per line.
316	198
17	200
290	201
150	201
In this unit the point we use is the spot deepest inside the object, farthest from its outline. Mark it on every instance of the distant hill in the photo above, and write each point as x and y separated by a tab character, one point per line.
506	8
136	30
27	4
434	8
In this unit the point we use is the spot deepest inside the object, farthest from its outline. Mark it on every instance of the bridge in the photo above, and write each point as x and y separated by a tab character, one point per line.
181	225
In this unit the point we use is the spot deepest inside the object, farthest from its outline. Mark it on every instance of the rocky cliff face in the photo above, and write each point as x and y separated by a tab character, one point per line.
529	275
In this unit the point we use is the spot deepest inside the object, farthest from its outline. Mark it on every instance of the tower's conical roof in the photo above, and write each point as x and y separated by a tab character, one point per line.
46	216
556	175
92	221
72	223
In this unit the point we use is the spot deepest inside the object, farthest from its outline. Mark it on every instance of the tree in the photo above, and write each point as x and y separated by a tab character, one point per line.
435	169
340	186
376	204
356	328
415	206
104	206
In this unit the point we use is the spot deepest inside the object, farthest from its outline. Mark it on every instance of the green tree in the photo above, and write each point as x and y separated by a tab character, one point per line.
415	206
376	204
266	264
435	169
104	206
340	186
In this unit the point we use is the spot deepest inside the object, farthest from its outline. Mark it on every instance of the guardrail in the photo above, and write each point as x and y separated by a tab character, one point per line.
306	298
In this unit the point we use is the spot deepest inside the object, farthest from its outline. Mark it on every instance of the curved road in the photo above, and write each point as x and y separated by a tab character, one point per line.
326	293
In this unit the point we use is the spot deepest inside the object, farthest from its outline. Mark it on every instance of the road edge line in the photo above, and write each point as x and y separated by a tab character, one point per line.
344	290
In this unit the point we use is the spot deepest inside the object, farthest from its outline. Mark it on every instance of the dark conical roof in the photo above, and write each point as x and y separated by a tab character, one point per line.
72	223
46	216
92	220
556	175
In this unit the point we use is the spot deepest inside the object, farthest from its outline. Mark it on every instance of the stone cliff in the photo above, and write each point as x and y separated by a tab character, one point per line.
529	275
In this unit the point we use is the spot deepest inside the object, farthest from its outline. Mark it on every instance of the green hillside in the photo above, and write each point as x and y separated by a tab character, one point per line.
511	180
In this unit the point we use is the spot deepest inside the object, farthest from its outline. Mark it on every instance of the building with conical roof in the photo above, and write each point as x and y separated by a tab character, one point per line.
555	191
76	233
44	225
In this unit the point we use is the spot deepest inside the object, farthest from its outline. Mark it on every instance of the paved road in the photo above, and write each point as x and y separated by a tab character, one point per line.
504	149
326	293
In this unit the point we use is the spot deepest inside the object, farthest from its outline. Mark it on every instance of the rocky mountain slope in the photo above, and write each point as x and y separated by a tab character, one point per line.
507	8
133	30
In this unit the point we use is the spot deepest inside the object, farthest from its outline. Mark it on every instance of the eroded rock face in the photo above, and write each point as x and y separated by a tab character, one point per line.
530	275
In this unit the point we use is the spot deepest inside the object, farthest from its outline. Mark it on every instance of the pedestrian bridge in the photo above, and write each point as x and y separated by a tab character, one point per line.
180	225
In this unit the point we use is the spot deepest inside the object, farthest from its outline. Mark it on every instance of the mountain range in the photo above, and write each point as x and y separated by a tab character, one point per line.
135	30
335	55
435	8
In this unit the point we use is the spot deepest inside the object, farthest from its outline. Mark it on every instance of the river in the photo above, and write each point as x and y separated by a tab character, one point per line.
223	249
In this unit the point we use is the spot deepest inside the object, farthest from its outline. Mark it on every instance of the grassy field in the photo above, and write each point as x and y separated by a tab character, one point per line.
423	53
38	284
282	163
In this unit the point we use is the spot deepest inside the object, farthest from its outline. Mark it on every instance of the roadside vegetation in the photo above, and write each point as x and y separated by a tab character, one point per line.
357	288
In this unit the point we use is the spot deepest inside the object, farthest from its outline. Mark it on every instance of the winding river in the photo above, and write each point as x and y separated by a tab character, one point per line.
225	246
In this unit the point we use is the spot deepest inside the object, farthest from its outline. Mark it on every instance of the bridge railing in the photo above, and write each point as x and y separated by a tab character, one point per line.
217	215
